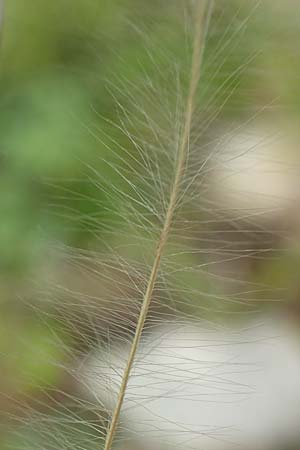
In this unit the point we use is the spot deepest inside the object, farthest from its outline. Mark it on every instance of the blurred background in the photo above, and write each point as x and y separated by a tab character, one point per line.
64	65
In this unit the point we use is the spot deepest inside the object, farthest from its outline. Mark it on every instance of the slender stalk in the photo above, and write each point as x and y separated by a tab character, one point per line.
202	16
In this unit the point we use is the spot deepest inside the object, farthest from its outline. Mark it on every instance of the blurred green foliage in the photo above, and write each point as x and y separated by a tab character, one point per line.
55	60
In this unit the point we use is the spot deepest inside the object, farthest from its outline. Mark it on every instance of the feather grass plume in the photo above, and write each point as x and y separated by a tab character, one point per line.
153	329
202	17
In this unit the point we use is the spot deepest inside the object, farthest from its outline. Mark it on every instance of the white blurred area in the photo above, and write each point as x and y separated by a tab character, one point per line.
257	173
254	185
203	387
